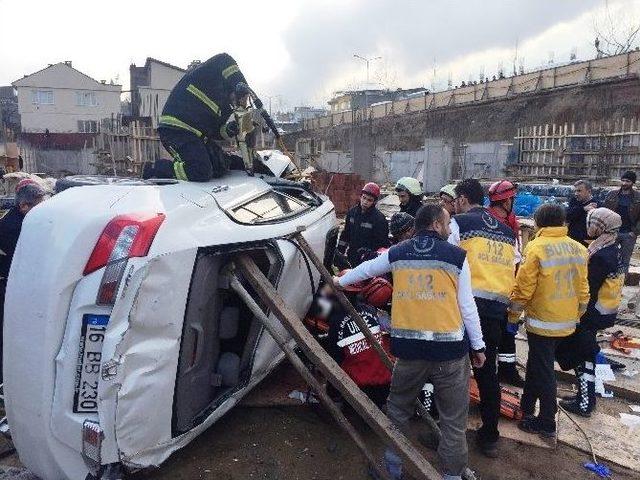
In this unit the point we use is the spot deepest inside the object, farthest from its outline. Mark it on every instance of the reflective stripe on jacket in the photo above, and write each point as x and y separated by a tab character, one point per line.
490	247
425	316
200	102
551	285
606	278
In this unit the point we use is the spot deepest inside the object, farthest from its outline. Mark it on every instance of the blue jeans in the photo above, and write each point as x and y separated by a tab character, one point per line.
627	243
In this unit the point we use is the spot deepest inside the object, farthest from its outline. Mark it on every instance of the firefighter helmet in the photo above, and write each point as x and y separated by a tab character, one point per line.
377	292
371	189
410	185
502	190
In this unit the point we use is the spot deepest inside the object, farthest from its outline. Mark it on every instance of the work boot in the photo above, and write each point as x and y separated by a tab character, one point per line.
585	401
508	373
532	424
488	449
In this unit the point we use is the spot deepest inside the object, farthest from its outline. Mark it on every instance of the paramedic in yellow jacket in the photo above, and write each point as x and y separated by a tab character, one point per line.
552	292
491	252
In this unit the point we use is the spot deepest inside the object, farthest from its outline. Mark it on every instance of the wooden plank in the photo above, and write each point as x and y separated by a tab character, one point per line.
612	441
296	361
377	420
508	429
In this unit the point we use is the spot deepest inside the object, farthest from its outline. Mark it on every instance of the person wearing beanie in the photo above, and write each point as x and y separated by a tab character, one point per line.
626	202
196	115
401	227
28	195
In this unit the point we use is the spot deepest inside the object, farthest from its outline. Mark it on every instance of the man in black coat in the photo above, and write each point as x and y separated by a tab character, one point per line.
195	117
579	206
28	195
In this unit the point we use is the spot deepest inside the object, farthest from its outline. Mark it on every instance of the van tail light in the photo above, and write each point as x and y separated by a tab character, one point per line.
124	237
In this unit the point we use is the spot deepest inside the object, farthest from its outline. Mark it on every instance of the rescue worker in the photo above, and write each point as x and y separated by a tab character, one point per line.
429	275
491	251
401	227
552	291
349	348
501	200
606	278
410	194
365	228
447	194
195	116
28	195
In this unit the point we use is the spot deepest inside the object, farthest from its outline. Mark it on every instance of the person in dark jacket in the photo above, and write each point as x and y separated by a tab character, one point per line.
28	195
606	277
626	203
579	205
195	117
365	228
410	194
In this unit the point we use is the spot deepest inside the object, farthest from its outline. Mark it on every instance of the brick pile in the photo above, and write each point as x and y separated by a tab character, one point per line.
342	188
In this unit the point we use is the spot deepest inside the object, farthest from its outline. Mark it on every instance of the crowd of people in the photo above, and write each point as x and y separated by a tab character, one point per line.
458	286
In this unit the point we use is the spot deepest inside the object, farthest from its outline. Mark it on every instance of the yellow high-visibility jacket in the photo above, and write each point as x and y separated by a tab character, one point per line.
551	285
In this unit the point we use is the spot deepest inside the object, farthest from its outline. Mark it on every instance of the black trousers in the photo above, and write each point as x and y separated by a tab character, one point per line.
3	289
540	381
507	350
202	160
487	378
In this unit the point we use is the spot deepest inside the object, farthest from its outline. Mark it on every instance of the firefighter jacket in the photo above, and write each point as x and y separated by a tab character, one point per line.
200	102
606	278
352	351
551	286
433	314
364	231
491	252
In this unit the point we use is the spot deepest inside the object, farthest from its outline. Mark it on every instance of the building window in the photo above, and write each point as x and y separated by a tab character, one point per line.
42	97
87	126
86	99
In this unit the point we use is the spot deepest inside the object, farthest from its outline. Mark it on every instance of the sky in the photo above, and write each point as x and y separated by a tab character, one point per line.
298	52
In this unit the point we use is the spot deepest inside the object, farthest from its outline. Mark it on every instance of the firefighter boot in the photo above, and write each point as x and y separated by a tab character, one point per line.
585	401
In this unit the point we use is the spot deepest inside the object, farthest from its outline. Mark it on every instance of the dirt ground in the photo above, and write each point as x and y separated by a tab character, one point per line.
298	443
293	441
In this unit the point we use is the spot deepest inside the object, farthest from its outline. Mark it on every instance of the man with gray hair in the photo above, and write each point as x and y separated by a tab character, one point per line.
579	206
28	195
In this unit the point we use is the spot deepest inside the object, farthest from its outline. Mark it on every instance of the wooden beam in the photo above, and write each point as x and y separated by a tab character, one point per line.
307	375
377	420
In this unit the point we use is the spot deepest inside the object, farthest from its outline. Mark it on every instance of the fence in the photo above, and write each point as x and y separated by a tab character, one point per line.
597	70
597	151
125	150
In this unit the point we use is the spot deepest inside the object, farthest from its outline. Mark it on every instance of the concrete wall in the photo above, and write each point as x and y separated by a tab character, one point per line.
56	162
63	115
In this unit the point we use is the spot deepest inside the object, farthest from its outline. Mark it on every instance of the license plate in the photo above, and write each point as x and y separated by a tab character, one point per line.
85	399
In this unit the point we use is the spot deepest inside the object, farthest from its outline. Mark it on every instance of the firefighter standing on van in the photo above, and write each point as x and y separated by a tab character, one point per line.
195	116
501	200
491	252
552	291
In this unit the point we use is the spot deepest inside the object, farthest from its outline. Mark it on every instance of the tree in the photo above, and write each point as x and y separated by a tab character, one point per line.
616	32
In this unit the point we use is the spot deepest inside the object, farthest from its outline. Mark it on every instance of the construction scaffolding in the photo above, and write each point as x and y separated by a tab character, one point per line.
123	150
597	151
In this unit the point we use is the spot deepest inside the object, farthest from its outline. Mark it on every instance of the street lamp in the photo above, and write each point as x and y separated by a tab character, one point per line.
366	60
